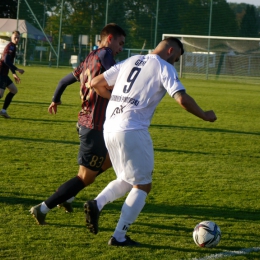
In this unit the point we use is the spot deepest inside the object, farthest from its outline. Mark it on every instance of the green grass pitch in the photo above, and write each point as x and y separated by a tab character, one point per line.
203	171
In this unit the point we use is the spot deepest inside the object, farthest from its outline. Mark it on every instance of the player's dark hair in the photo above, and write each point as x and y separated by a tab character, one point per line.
113	29
176	40
16	32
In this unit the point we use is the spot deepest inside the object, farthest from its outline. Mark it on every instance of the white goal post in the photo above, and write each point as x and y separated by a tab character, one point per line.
217	57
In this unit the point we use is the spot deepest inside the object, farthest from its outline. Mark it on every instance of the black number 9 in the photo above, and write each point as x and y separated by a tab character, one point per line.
131	79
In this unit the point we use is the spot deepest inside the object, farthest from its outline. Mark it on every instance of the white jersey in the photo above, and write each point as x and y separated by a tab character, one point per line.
140	82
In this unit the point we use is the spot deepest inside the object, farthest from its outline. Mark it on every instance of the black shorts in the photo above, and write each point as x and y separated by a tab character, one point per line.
92	149
5	81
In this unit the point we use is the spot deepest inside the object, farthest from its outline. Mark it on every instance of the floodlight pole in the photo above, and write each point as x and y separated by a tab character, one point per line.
58	56
156	23
210	19
44	14
17	15
43	25
106	13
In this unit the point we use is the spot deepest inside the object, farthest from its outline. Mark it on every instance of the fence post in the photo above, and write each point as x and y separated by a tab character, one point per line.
58	56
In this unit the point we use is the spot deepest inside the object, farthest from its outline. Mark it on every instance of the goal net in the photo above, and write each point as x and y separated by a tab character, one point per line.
215	57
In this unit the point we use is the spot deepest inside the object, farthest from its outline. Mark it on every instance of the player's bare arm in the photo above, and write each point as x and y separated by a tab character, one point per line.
99	84
189	104
62	85
20	71
17	79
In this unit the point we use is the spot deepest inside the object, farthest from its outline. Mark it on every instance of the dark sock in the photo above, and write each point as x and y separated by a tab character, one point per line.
8	100
67	190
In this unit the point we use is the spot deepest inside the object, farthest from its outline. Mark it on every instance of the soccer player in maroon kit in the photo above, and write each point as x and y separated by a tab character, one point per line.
93	158
6	63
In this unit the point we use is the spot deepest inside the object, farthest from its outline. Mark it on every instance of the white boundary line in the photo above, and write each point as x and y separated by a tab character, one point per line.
243	251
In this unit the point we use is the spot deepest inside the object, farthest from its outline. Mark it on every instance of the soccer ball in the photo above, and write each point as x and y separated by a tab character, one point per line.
206	234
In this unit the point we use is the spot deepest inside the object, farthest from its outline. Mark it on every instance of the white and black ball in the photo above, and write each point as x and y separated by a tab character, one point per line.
207	234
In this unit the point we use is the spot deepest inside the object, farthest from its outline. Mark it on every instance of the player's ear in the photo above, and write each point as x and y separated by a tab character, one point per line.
109	38
170	50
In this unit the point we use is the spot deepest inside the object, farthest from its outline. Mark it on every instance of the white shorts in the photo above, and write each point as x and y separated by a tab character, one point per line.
131	155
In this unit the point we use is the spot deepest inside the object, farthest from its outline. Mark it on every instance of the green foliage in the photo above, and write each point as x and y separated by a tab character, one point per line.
138	18
39	9
252	20
249	26
8	10
223	20
203	171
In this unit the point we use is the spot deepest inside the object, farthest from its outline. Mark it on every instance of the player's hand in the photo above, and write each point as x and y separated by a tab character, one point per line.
17	79
20	71
53	108
210	116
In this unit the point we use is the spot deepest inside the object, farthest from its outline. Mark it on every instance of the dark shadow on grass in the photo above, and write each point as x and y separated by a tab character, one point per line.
33	103
156	213
196	152
77	143
202	211
187	211
28	203
179	151
51	121
38	140
214	130
51	223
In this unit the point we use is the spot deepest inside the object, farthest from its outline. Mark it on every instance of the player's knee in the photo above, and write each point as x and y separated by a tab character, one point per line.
13	91
145	187
86	175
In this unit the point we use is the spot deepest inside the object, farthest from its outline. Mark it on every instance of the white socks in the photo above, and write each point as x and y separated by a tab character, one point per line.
70	200
132	207
44	209
114	190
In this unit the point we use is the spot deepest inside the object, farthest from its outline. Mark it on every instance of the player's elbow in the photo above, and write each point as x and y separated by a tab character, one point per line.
183	101
93	83
97	83
182	98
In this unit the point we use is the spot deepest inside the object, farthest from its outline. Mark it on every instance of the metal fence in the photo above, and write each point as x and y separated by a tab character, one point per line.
63	32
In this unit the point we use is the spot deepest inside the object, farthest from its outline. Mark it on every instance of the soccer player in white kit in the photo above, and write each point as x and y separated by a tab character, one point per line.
140	82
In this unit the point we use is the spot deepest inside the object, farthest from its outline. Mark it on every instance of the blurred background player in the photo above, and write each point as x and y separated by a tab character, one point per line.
95	47
6	63
92	157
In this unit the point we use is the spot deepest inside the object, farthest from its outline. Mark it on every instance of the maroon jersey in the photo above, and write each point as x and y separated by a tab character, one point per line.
78	71
7	59
92	114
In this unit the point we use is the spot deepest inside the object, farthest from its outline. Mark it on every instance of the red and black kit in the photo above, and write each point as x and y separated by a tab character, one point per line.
7	59
92	114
